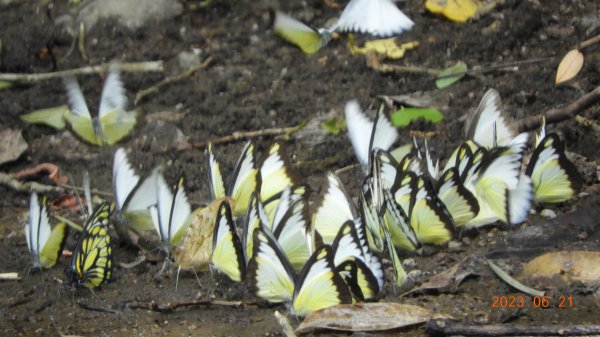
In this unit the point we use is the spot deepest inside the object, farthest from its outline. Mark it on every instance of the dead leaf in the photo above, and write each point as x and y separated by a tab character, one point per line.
194	250
365	317
569	67
461	10
439	99
565	266
52	170
386	48
12	145
449	279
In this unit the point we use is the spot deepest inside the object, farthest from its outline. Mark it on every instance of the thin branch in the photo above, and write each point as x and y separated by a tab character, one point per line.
243	135
172	306
448	327
32	186
589	42
149	66
156	88
559	114
588	123
9	277
98	309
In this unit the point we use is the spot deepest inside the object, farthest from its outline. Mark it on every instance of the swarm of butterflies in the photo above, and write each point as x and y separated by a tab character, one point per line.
263	233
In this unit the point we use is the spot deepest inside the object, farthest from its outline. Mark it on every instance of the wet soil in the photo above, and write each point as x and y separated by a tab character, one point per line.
257	81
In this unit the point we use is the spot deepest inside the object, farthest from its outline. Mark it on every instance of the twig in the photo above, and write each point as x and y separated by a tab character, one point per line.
149	66
589	42
32	186
9	277
51	169
239	135
588	123
559	114
155	88
99	309
374	62
285	325
133	264
172	306
448	327
81	44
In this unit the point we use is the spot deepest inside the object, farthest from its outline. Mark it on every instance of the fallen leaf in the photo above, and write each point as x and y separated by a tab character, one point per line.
387	48
52	170
334	125
449	279
195	248
12	145
5	85
405	116
461	10
365	317
438	99
446	78
513	282
564	266
53	117
569	67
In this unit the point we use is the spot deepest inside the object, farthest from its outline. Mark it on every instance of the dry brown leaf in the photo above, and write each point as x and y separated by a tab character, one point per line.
194	250
364	317
565	266
449	279
12	145
569	67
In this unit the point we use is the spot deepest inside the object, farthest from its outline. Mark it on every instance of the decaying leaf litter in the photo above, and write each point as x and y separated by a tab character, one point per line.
242	86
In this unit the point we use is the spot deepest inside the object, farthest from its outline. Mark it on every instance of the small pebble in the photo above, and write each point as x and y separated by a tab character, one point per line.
415	274
409	263
548	213
454	245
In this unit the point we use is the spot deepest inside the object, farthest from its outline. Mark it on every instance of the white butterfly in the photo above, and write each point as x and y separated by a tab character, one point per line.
366	135
376	17
112	123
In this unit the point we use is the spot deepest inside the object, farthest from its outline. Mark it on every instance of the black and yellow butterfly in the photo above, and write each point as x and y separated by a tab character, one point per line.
554	177
91	263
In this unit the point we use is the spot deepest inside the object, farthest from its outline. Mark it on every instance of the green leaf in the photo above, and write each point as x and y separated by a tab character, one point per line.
334	125
53	117
5	85
445	79
405	116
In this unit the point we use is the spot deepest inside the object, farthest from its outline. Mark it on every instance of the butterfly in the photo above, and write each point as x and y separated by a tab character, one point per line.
44	243
553	175
334	208
171	213
133	196
376	17
366	135
91	263
503	192
353	260
272	277
459	201
112	122
488	126
244	180
308	39
275	175
227	254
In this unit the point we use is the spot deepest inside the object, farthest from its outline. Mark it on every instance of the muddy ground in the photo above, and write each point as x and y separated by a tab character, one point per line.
257	81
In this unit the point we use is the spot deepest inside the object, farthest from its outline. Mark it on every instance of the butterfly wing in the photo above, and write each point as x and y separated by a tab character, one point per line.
275	173
319	285
376	17
488	126
215	178
227	255
91	262
79	116
245	180
554	177
297	33
459	201
334	209
270	274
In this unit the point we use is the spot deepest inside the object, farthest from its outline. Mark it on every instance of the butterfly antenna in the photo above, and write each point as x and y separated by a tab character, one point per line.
79	202
87	192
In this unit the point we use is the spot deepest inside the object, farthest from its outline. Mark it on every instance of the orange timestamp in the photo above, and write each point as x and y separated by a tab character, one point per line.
538	302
